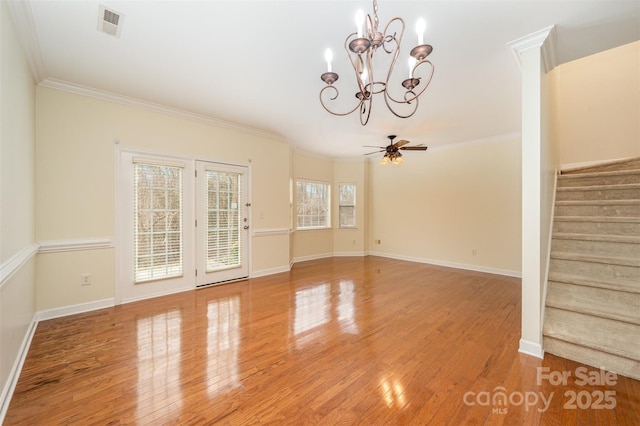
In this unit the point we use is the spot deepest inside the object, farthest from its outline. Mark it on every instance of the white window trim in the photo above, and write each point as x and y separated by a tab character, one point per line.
313	228
355	206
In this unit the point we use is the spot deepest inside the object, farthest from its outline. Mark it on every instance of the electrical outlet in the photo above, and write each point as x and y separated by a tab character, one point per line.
474	252
85	279
354	242
377	241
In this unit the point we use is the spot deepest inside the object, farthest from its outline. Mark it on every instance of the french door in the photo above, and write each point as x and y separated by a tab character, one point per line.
222	223
181	223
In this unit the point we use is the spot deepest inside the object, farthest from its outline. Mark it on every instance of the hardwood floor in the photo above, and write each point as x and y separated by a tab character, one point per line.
335	341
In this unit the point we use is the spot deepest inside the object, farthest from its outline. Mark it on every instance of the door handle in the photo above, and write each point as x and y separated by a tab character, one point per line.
246	227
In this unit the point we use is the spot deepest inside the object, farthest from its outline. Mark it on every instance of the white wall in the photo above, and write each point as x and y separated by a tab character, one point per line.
441	205
75	166
17	245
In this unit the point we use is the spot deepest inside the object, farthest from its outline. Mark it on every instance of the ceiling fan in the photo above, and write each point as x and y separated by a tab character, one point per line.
392	152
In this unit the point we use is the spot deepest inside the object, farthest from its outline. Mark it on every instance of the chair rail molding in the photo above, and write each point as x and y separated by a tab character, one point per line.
16	262
54	246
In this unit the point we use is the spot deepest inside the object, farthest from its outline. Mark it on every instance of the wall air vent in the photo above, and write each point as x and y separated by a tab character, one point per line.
110	21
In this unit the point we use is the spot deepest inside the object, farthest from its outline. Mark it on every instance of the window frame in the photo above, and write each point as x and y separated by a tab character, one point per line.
326	207
341	205
161	271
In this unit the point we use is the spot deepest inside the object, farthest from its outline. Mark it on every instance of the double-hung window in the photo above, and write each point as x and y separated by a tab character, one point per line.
313	205
347	205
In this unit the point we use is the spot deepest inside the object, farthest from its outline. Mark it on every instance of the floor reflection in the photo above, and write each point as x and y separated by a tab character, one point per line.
223	339
392	392
315	307
346	308
159	366
312	308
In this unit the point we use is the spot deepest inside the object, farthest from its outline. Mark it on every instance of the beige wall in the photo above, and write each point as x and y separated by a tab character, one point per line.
596	106
312	243
348	241
18	133
440	205
75	166
17	245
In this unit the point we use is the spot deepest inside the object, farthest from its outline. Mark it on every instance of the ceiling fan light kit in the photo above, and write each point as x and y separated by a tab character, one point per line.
392	154
361	47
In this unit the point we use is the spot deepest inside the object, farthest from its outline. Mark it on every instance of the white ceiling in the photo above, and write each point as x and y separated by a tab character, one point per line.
258	63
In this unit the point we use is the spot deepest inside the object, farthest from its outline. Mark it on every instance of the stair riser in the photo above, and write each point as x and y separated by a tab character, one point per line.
588	180
593	331
609	194
604	248
605	303
600	228
622	366
595	270
632	210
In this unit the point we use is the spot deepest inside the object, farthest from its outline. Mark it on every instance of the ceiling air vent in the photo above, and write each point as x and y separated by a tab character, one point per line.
110	21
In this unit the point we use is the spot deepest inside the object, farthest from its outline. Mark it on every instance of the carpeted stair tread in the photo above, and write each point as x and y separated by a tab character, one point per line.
598	202
595	301
600	187
630	286
611	260
597	359
598	219
592	306
631	239
606	335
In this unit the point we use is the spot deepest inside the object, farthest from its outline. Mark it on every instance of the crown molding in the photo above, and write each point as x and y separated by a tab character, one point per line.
545	39
22	16
104	95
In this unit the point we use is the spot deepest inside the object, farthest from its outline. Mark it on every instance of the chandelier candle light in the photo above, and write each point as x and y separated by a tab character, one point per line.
361	47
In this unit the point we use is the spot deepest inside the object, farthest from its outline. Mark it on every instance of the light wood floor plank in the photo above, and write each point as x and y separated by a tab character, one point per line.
367	340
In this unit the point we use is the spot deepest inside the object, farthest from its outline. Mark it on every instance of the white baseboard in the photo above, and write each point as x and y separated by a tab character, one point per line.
350	254
270	271
75	309
476	268
312	257
531	348
159	294
16	369
576	166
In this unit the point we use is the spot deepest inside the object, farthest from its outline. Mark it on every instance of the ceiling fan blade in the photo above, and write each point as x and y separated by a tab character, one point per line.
400	143
373	146
374	152
414	148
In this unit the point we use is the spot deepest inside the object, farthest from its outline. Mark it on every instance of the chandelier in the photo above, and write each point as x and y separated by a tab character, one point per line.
361	47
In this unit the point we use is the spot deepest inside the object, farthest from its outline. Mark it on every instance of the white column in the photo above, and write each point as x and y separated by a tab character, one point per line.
534	54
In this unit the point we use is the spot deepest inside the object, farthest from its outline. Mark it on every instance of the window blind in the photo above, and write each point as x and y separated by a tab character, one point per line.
157	220
224	198
313	205
347	205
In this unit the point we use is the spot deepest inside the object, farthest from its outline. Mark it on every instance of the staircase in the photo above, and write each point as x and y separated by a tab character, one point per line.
592	312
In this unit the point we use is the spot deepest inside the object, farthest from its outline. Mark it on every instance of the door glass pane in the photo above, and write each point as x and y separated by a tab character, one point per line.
223	220
157	222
